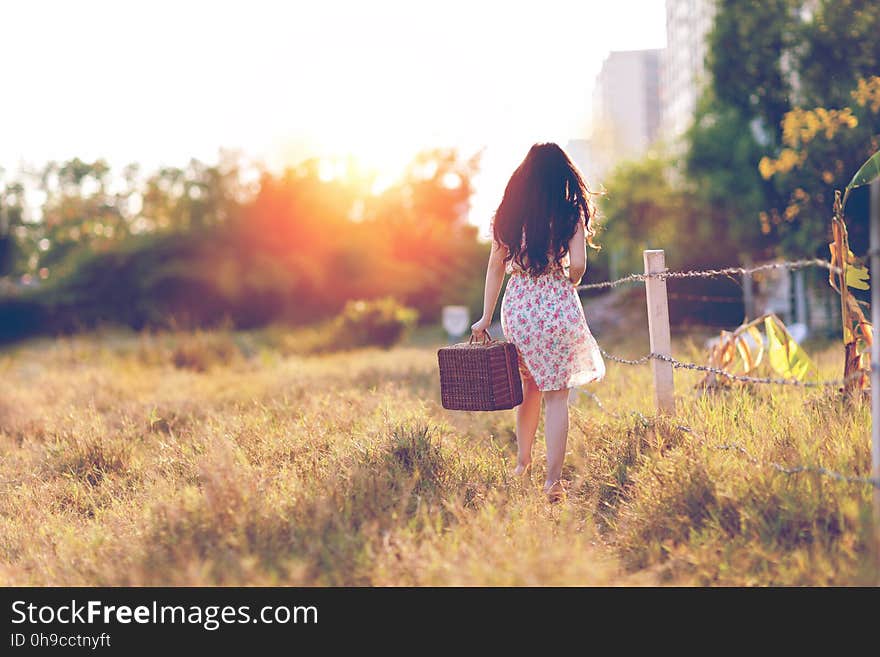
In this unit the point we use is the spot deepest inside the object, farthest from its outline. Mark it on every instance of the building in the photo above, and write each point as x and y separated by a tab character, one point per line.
683	73
626	108
581	153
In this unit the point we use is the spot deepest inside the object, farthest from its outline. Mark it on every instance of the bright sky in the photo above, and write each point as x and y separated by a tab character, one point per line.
158	82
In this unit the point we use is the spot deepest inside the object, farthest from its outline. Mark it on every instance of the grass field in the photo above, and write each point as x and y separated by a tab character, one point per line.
229	458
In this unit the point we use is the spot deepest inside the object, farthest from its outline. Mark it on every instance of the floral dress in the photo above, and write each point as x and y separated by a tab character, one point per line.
544	318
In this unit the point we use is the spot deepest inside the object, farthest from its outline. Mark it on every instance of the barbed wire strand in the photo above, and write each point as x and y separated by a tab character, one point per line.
714	273
729	375
732	446
625	361
798	469
755	379
632	278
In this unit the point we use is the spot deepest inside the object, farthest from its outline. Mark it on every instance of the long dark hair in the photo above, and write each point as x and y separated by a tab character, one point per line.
544	200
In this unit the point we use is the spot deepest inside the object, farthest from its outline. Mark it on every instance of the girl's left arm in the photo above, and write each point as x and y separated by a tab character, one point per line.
494	280
577	249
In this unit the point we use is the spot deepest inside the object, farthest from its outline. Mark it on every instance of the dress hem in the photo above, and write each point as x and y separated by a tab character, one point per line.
573	381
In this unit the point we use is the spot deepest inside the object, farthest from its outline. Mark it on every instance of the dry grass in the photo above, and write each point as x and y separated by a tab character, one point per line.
225	458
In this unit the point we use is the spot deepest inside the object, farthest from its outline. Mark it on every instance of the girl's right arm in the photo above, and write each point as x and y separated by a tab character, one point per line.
494	280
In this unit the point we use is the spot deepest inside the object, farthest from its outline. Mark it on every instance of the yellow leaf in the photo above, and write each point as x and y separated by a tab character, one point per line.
742	346
785	355
726	350
750	346
759	344
857	276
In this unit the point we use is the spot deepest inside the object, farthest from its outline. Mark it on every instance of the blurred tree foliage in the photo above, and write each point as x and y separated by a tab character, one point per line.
12	226
199	245
802	75
721	169
648	205
79	210
789	110
750	49
703	205
641	209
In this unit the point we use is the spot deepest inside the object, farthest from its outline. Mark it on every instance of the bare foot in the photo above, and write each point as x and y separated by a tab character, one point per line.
554	491
522	469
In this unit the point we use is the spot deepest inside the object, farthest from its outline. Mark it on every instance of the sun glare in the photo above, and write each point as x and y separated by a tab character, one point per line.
378	176
380	165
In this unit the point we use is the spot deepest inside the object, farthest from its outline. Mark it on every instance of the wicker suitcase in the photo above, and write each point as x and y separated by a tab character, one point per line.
480	376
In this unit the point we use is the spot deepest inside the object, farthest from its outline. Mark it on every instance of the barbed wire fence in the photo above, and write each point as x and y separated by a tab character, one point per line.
713	273
678	364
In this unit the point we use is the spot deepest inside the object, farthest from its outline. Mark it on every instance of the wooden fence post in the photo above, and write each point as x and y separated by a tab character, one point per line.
658	329
874	219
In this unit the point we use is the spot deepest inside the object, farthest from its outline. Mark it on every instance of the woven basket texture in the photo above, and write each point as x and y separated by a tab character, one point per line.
479	376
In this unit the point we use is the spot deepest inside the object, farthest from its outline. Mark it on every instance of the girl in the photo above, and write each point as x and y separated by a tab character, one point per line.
540	232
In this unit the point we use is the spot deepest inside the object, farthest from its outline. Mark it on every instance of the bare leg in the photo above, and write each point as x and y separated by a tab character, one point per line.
527	416
556	430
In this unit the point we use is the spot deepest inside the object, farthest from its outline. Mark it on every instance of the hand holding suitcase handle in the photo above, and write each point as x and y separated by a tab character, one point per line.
486	337
480	329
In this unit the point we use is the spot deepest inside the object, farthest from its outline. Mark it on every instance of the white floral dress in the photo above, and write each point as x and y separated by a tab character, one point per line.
544	318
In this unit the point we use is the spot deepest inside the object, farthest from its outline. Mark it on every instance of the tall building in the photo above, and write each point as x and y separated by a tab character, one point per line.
581	153
626	107
688	22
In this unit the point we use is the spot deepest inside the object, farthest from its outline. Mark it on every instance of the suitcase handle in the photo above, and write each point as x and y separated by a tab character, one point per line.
486	341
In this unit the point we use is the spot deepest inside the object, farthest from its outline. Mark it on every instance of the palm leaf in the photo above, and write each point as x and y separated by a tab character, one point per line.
868	173
759	344
745	353
785	355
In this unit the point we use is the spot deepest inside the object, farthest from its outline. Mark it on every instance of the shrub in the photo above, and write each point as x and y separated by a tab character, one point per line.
19	318
379	322
200	351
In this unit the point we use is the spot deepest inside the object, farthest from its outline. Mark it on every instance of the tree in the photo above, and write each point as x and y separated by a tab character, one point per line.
839	46
338	240
821	149
800	75
721	164
200	247
79	210
647	206
749	49
14	243
194	196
